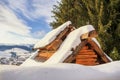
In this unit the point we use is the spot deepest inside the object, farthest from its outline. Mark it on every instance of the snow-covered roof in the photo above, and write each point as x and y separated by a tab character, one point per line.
72	40
51	35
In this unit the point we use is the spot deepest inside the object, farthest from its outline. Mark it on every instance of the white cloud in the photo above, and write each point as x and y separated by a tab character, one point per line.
39	34
12	30
33	9
9	22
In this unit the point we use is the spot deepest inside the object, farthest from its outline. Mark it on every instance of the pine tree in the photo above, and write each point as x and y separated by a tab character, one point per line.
104	15
72	10
114	54
114	30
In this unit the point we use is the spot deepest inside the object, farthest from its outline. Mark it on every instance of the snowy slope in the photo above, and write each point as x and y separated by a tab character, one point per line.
62	71
51	35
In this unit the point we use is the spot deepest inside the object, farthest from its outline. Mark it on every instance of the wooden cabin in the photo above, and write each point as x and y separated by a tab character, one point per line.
47	51
88	52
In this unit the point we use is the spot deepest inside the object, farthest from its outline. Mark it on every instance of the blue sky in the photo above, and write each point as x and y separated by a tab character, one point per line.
34	15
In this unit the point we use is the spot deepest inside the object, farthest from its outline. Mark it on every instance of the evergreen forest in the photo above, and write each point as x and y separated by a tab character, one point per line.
104	15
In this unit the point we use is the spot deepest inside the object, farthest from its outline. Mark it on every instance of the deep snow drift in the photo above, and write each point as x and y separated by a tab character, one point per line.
61	71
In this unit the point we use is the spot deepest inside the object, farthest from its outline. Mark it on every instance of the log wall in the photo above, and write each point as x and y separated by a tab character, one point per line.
87	56
44	55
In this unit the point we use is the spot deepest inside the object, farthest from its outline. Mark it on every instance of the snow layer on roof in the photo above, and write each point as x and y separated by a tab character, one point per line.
51	35
61	71
72	40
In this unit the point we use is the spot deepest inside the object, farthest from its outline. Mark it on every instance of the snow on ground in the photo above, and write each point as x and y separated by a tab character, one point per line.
61	71
51	35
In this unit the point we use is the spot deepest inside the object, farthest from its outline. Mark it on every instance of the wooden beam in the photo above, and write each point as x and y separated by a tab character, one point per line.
54	45
69	59
98	50
90	34
79	47
65	32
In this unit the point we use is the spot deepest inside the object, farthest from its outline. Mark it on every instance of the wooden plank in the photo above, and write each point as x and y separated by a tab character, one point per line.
75	52
87	63
86	50
54	45
86	60
86	56
64	32
41	59
87	53
45	54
